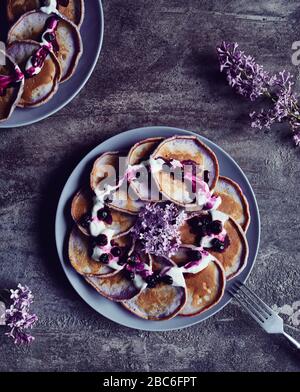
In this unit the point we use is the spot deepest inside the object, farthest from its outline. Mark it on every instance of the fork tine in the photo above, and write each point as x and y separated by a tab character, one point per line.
252	312
255	303
265	306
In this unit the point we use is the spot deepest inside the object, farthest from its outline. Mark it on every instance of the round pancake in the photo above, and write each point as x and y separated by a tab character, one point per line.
160	303
12	95
144	184
184	148
234	202
31	27
82	204
234	258
106	171
40	88
17	8
117	287
80	249
74	11
205	288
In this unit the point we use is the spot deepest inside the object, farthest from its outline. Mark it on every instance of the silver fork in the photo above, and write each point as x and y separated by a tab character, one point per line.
262	313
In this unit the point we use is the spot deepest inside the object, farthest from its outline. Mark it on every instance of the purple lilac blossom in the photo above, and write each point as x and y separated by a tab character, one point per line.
18	317
250	80
243	74
157	228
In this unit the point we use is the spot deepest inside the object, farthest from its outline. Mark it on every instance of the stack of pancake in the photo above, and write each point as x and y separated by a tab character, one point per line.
43	44
211	245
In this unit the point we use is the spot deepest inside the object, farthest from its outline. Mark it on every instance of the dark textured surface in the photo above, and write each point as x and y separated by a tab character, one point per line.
157	67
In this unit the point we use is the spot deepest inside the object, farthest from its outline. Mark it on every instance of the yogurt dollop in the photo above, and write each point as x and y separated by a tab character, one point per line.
191	267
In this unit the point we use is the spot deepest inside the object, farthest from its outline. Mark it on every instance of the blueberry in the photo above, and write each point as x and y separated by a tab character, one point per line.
217	245
104	258
167	279
195	255
152	280
102	240
102	214
122	261
206	176
216	227
194	222
129	275
116	251
132	260
200	225
49	37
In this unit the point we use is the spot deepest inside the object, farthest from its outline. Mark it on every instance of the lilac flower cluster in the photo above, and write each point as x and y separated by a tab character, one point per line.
157	228
251	80
243	74
18	318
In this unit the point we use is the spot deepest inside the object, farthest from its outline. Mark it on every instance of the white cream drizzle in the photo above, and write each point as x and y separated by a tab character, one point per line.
138	280
97	226
220	216
176	274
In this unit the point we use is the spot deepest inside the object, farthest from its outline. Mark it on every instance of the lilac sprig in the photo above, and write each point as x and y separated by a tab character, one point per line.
250	80
18	317
157	228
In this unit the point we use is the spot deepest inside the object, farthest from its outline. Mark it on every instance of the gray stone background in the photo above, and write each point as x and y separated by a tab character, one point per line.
157	67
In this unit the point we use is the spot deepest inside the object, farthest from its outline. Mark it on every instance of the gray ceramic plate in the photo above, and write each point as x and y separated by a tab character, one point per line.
92	37
63	225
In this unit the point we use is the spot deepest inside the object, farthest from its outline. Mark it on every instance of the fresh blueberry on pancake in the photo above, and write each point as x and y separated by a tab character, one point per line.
216	227
104	258
194	255
91	258
116	251
160	300
206	176
229	245
102	240
105	215
220	246
167	279
129	275
152	280
92	220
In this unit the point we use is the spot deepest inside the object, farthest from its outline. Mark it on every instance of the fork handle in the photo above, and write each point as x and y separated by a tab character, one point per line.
292	340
